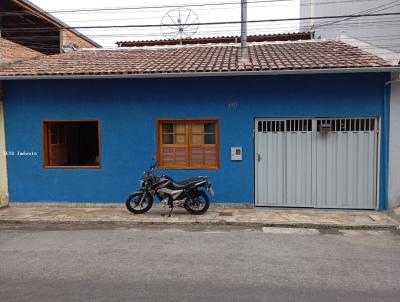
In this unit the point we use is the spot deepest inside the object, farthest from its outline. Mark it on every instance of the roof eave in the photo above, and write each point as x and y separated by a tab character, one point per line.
60	24
205	74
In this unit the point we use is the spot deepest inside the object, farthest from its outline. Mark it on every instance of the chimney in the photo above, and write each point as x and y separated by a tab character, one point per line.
244	56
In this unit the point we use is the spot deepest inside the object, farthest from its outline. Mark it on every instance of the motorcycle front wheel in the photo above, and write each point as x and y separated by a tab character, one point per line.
199	204
134	205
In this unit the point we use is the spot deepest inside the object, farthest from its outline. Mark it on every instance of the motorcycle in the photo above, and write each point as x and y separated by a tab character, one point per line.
189	194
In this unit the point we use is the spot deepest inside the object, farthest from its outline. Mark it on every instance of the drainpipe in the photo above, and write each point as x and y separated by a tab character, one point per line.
243	38
385	142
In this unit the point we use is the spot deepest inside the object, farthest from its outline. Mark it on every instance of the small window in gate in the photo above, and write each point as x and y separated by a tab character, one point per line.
271	126
295	125
275	126
346	125
298	125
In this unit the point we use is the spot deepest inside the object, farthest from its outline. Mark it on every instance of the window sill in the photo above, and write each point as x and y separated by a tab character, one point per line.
72	167
187	168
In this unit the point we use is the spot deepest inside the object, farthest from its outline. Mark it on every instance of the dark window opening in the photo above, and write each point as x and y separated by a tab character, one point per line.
71	143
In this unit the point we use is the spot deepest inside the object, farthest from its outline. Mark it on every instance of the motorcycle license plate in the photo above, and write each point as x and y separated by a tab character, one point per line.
211	191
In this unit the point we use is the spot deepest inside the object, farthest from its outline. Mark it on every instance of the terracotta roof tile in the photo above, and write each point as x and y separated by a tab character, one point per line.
262	57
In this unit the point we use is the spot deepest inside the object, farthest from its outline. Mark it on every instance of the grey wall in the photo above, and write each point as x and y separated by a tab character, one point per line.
383	32
394	145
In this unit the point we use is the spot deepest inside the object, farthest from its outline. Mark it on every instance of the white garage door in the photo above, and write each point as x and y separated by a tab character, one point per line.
324	163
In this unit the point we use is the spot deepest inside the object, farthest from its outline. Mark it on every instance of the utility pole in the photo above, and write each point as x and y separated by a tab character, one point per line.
243	37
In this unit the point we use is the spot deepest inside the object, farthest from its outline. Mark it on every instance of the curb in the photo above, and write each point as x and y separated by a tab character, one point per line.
204	223
96	205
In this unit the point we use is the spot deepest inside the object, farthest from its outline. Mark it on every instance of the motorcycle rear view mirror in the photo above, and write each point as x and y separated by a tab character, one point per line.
154	163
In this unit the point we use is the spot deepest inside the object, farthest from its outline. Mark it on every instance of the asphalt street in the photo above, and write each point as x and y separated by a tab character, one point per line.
100	263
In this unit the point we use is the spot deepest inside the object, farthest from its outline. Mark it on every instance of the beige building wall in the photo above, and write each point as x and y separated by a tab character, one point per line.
3	163
11	52
67	38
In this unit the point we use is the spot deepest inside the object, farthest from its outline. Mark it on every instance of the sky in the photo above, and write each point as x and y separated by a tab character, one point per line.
260	10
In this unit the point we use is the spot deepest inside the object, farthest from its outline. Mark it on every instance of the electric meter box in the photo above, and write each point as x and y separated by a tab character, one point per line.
236	153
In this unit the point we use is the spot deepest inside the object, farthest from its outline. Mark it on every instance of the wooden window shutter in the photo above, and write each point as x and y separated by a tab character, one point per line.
173	144
174	156
188	144
204	157
204	147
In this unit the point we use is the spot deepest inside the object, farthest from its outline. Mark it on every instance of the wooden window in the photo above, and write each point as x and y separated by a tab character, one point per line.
188	144
71	144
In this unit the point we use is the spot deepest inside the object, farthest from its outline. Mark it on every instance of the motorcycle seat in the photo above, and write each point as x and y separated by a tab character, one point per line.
188	182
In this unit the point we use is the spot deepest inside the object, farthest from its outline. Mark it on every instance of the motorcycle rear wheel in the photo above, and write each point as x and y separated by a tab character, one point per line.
132	203
200	204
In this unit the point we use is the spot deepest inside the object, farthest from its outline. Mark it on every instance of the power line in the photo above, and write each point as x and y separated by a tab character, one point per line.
218	8
180	6
219	24
374	41
272	3
205	32
211	32
282	24
206	23
85	10
387	22
207	9
374	10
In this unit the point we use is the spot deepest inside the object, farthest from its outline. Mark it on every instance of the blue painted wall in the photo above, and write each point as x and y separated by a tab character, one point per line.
128	109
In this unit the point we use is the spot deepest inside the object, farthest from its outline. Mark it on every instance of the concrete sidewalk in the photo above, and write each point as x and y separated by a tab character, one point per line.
222	215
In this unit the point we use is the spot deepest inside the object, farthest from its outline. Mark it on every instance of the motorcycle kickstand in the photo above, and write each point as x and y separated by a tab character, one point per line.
169	214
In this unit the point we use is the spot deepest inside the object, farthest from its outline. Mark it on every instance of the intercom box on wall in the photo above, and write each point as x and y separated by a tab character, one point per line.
236	153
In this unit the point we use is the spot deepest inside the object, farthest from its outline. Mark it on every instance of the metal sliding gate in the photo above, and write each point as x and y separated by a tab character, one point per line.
323	163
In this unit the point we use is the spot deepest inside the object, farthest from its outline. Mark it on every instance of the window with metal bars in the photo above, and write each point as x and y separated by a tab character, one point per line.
293	125
348	125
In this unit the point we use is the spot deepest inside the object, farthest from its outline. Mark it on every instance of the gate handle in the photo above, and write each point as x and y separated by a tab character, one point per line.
259	158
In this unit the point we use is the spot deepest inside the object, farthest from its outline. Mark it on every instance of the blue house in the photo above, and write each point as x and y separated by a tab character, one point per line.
296	124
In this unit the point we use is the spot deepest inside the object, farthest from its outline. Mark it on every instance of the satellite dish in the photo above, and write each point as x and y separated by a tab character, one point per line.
179	23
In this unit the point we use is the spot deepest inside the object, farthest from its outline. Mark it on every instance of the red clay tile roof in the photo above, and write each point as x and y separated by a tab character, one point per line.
200	59
221	39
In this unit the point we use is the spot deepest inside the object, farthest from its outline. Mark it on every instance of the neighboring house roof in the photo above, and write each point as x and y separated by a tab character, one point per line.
222	39
58	23
385	54
197	60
